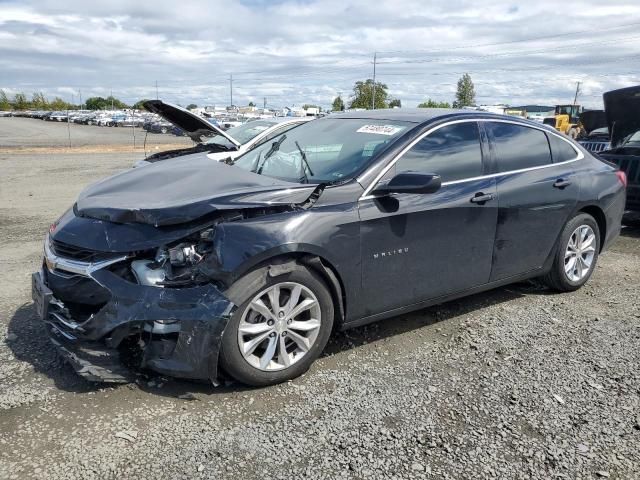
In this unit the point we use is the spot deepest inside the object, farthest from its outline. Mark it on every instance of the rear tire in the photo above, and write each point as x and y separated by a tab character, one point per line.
576	254
291	343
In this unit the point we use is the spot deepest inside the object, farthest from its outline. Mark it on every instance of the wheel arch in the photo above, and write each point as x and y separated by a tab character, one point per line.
598	214
281	260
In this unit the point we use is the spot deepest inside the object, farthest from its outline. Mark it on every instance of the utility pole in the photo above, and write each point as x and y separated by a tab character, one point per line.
111	95
575	98
80	95
573	117
156	89
373	96
231	88
264	105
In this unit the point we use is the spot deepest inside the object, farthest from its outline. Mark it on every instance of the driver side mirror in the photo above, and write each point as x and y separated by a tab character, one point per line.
410	182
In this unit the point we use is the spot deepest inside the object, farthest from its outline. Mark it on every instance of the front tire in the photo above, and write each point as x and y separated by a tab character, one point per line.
576	255
281	326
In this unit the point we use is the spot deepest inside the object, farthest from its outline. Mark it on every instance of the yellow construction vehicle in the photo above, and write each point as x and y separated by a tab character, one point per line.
566	119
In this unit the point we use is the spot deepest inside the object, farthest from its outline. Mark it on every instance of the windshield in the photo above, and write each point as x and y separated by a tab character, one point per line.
633	138
242	133
322	151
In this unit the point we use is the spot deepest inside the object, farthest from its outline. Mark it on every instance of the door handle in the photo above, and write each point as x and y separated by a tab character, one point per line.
561	183
481	198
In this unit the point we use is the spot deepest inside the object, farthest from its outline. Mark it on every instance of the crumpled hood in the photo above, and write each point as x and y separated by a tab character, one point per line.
185	189
622	108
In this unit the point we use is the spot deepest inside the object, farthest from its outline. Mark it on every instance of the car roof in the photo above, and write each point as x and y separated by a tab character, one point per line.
415	115
279	120
429	115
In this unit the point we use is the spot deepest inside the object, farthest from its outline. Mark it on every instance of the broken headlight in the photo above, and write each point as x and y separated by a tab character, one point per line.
184	254
178	264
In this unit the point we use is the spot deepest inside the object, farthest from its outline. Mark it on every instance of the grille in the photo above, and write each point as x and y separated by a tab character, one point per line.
76	253
595	146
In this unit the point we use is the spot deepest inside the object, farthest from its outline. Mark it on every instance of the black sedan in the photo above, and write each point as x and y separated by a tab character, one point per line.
202	269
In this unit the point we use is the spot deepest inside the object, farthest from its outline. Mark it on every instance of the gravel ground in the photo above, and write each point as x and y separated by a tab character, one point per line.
513	383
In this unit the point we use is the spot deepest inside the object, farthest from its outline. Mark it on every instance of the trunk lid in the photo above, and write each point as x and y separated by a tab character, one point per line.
622	108
592	120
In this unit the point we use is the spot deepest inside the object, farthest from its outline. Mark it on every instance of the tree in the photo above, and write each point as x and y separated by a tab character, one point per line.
20	101
5	104
395	103
59	104
39	102
433	104
116	103
95	103
466	93
139	104
99	103
251	104
363	93
191	106
337	105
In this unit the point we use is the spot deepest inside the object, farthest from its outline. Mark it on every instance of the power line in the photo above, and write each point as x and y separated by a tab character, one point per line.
518	53
510	42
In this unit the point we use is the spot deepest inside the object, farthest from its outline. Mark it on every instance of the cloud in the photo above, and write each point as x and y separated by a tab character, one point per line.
293	52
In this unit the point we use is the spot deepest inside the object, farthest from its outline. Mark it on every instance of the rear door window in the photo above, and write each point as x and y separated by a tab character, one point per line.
518	147
561	151
453	152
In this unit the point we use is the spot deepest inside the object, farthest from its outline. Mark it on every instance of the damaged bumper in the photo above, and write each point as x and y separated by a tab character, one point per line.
173	331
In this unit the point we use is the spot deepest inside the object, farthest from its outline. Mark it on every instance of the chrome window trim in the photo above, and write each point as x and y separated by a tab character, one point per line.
85	269
366	194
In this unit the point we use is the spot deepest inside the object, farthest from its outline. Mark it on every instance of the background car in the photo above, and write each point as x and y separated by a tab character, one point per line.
622	108
129	121
208	136
58	116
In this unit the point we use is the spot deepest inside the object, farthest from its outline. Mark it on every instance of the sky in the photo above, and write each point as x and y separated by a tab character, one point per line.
293	52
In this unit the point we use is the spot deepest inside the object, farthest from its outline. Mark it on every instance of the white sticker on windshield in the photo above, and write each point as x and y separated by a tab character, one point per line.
380	129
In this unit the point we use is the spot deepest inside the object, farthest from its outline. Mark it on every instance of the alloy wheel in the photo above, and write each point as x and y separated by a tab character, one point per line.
580	252
279	326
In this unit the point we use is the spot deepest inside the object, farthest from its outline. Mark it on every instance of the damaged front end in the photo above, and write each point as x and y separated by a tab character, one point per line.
111	314
132	274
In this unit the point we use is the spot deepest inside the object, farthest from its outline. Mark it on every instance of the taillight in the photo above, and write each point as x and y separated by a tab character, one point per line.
622	177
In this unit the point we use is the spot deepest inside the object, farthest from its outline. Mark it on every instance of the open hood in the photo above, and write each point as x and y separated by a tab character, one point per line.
592	120
622	108
194	126
183	190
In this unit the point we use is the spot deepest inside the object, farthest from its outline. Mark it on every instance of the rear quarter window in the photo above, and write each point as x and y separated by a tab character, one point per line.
561	151
518	147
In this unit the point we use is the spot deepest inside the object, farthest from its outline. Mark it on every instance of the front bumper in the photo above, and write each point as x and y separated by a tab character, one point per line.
95	344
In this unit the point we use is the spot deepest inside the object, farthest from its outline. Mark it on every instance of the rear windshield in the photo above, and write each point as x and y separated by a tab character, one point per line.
323	151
